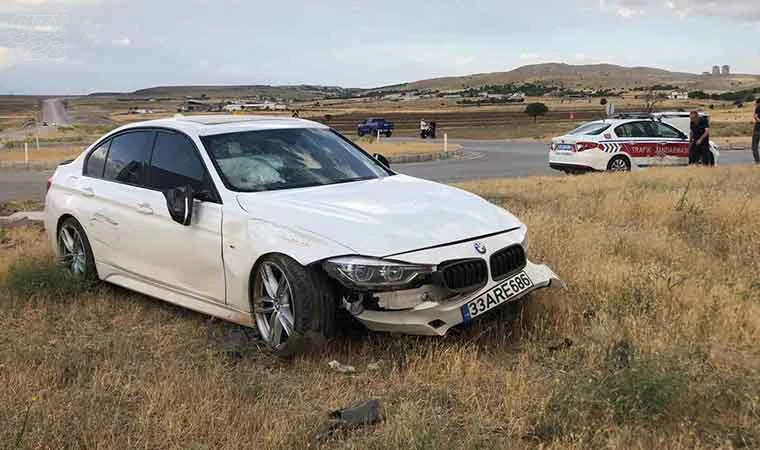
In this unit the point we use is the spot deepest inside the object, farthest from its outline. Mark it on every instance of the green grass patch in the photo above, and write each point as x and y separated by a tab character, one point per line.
41	277
629	391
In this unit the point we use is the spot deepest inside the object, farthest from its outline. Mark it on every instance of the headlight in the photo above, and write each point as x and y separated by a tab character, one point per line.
357	272
526	241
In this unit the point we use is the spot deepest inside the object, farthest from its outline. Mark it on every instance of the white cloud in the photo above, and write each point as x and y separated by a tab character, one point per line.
20	26
30	6
629	12
124	42
464	60
530	56
746	10
8	57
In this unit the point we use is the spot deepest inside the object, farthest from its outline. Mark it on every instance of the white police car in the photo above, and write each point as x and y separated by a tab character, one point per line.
624	143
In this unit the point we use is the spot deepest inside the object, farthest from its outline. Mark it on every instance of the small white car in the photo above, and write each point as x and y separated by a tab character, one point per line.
659	139
276	223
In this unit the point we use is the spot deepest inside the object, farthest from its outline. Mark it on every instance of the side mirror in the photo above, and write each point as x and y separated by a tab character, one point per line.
179	201
382	159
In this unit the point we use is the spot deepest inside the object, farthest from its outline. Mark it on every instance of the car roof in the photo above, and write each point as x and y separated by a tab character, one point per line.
220	124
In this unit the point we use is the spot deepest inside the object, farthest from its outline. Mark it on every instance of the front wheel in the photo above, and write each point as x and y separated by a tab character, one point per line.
293	305
388	133
619	164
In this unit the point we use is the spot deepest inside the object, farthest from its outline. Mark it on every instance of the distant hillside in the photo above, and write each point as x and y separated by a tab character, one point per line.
299	92
595	76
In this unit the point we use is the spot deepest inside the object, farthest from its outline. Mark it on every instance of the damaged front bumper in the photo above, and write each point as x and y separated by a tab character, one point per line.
433	318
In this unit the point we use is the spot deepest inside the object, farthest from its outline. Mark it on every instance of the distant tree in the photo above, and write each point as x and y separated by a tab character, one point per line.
536	109
712	106
603	102
651	100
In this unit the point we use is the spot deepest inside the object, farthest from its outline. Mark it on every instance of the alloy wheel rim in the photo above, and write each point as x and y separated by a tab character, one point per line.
272	305
71	250
619	165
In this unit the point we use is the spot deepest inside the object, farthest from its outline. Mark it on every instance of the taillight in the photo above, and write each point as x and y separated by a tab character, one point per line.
583	146
49	183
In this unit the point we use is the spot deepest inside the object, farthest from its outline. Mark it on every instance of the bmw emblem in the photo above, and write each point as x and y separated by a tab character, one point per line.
480	248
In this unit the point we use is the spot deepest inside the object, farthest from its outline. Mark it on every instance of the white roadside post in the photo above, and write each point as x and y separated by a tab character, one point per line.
446	143
378	136
37	139
26	153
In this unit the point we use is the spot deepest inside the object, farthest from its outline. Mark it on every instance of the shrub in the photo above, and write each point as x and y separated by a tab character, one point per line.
536	109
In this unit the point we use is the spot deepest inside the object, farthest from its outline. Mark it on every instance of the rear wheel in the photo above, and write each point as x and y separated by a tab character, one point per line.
74	251
388	133
619	164
294	306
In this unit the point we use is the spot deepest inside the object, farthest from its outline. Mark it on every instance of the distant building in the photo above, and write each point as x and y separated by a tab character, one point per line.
725	71
716	71
678	95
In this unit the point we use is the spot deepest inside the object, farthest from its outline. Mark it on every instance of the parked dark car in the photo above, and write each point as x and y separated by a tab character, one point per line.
373	125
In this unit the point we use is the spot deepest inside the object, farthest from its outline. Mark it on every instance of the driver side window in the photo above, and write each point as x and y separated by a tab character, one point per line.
175	162
668	132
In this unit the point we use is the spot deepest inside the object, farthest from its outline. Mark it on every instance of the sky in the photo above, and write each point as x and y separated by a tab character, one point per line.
85	46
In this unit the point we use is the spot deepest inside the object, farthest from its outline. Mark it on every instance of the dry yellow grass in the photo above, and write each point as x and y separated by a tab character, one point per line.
57	153
654	344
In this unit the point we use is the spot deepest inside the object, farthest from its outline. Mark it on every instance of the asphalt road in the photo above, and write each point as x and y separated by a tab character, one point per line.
53	111
480	160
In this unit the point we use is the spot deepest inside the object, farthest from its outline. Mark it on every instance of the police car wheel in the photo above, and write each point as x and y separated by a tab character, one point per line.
619	164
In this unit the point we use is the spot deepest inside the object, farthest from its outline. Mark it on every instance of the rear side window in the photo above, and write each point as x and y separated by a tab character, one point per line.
128	157
97	161
175	162
636	130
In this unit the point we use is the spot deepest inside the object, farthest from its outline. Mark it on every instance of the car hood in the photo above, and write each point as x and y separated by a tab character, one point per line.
382	217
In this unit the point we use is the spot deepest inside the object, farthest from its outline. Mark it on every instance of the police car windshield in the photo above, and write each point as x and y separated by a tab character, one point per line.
590	129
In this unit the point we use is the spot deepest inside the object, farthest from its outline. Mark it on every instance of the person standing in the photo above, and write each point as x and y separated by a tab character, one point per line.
700	139
756	133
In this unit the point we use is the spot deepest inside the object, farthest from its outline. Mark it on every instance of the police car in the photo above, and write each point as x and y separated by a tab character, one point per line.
628	141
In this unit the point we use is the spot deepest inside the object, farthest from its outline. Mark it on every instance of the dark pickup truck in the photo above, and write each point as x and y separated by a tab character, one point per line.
372	126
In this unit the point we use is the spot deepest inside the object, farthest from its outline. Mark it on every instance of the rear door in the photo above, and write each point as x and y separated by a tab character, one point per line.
639	140
120	195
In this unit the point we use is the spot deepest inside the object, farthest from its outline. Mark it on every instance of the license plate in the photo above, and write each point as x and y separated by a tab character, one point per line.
502	293
564	147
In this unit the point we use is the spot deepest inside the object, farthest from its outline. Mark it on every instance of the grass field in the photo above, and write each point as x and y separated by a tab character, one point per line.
654	344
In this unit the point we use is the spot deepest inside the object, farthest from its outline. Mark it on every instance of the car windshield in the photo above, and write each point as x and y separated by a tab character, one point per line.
590	129
253	161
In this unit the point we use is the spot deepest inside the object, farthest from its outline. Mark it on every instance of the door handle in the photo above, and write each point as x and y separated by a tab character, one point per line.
144	208
87	191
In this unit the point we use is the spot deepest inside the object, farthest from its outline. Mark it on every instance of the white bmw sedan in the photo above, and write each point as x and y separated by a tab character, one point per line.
278	223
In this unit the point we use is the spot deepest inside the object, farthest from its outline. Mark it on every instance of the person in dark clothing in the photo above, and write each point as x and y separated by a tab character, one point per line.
699	152
756	134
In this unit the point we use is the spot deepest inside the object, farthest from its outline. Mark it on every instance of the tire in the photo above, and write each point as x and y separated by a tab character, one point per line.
388	133
619	164
294	317
74	250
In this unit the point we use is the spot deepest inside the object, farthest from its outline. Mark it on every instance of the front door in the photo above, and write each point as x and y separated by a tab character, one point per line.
184	258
